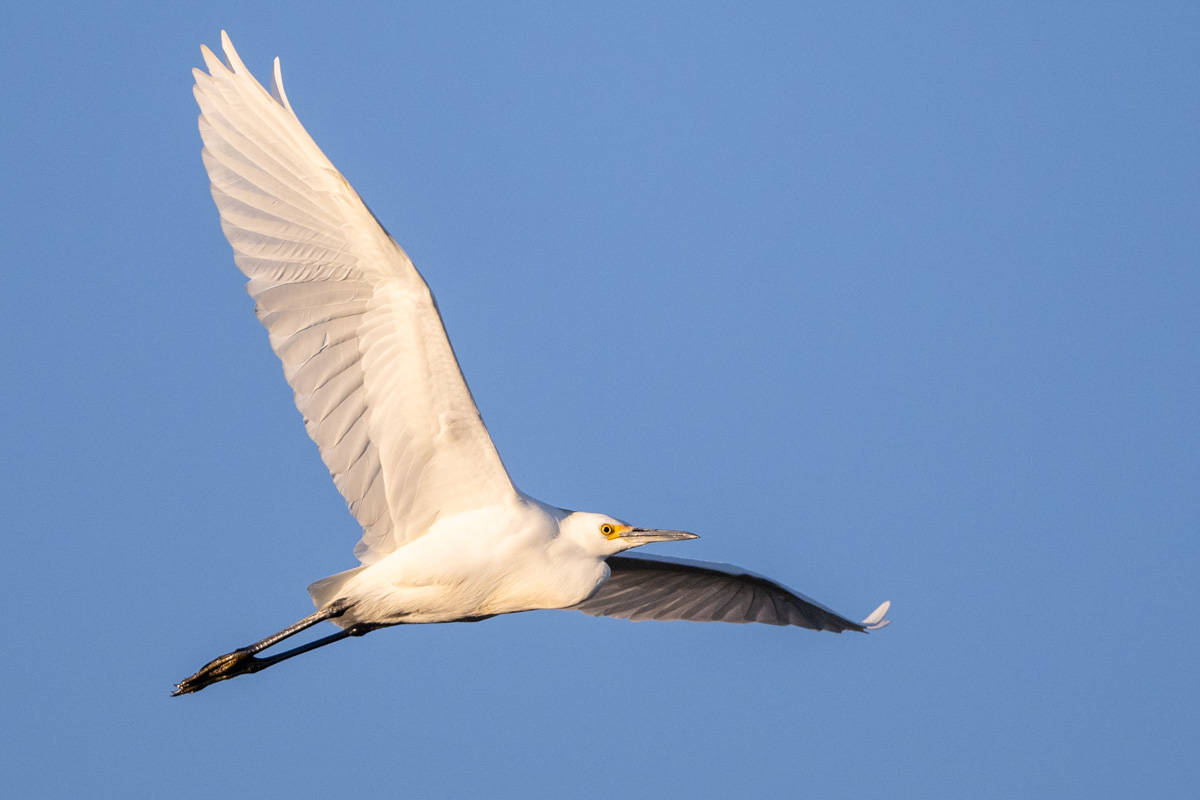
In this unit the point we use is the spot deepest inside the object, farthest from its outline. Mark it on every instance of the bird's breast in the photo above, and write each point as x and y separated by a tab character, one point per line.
547	583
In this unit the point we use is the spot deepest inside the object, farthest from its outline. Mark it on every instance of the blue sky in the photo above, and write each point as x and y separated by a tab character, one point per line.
886	301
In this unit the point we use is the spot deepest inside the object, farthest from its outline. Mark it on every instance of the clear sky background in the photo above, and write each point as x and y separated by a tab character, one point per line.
888	301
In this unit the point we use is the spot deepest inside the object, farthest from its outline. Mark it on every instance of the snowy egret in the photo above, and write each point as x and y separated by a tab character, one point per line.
447	537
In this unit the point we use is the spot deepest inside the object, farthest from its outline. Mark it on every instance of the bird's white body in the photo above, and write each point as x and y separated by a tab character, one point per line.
446	534
519	556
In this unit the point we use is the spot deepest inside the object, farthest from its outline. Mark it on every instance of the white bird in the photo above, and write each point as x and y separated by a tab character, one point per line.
447	537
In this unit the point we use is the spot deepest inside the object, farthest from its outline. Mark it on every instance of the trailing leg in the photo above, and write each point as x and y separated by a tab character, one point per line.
243	661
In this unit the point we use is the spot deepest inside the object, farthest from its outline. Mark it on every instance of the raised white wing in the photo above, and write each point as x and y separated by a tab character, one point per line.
357	329
645	587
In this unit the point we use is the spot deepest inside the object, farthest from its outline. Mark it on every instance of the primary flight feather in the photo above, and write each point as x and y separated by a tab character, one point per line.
446	535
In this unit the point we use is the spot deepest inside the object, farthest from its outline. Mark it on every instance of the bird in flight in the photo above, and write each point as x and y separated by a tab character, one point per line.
447	537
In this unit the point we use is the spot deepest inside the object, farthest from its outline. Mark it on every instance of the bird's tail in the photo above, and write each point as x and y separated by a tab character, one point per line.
329	589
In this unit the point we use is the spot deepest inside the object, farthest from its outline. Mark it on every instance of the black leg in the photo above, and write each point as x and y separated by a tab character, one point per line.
243	662
354	630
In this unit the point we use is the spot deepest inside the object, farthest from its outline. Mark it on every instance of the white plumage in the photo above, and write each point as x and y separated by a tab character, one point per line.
446	535
355	326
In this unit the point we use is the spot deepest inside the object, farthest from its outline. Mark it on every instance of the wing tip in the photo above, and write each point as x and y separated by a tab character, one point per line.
232	64
231	57
876	619
277	88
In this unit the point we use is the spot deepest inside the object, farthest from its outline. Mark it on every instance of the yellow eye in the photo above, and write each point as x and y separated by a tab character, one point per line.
607	530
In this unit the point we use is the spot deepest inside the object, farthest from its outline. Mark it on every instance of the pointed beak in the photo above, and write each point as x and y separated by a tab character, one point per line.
640	536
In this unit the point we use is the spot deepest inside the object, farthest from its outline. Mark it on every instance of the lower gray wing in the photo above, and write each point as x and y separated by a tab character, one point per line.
655	587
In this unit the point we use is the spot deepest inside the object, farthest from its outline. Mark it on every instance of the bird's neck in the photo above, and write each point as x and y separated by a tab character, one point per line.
577	574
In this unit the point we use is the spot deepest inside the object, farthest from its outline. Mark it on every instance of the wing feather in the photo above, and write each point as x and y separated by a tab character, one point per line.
642	587
352	321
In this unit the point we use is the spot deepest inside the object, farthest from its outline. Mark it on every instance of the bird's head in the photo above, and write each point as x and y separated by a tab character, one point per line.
604	535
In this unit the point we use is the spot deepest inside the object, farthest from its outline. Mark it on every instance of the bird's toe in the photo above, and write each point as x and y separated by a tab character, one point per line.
222	668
